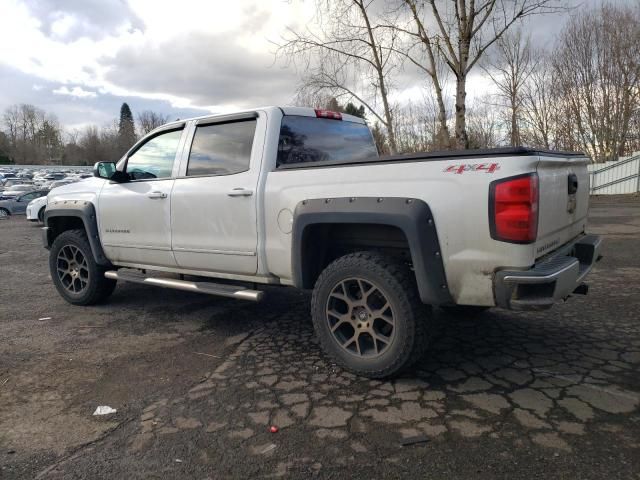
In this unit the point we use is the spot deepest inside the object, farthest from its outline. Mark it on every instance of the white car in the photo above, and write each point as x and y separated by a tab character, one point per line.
299	197
35	209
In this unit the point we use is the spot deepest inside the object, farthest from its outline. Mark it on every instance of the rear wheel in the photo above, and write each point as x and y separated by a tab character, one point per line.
368	316
4	213
76	275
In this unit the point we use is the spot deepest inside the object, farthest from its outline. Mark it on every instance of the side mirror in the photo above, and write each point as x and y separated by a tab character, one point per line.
104	170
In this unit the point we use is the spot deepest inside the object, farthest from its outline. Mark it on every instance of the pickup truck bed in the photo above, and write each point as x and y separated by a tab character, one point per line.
440	155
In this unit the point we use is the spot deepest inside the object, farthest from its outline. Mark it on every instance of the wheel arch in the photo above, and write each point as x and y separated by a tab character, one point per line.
71	214
401	220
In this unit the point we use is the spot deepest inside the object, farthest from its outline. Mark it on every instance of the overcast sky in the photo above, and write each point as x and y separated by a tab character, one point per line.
80	59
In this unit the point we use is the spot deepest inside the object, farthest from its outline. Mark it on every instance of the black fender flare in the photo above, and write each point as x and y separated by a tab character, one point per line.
86	212
412	216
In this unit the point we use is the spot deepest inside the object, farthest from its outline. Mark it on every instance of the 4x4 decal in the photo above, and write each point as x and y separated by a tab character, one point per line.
476	167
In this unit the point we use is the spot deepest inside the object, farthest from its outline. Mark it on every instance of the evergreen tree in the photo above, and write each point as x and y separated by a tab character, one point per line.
351	109
126	129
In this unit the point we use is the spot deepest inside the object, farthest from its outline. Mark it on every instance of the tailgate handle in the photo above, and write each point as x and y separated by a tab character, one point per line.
572	183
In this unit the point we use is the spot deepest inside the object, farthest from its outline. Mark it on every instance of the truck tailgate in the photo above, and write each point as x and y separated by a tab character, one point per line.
564	201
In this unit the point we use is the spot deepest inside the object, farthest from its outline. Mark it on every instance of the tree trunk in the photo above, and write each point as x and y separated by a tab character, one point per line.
381	76
515	132
462	140
389	118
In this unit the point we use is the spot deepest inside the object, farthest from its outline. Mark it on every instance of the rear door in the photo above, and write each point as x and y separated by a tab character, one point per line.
214	201
564	200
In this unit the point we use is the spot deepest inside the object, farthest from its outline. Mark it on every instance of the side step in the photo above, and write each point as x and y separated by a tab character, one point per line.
222	290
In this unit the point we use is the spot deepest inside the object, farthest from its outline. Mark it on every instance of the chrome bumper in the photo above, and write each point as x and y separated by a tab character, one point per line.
552	279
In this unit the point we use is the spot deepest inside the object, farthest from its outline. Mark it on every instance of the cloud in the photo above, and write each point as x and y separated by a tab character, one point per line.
73	111
74	92
82	58
208	69
68	20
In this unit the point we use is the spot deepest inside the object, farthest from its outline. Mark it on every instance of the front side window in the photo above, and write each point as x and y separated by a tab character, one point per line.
155	158
221	148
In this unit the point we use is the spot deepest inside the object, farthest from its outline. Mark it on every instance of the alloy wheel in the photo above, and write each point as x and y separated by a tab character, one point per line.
360	317
73	270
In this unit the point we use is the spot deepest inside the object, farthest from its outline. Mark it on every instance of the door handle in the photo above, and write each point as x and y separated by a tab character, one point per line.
157	195
240	192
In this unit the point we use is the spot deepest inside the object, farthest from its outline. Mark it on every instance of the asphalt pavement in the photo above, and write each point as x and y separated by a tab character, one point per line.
198	381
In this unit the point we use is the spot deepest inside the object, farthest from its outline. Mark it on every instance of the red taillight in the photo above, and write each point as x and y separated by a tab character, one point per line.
328	114
513	209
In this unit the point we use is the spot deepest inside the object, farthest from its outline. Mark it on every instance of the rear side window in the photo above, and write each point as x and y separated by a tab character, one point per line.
310	139
221	148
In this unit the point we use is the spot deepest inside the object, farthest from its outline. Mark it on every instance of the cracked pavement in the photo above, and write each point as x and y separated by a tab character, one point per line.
198	381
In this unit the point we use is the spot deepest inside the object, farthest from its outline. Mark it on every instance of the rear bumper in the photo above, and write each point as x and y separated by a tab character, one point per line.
552	279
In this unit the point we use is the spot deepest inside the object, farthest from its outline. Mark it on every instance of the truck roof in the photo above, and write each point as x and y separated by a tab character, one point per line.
300	111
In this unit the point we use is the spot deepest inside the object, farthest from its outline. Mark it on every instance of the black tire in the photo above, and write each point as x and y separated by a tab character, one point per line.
41	215
464	311
4	213
79	280
380	279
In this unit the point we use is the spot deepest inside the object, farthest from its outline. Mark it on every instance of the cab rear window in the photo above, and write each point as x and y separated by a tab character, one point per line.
306	140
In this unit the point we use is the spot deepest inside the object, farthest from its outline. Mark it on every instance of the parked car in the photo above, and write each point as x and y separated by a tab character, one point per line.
7	175
299	197
18	205
59	183
35	209
10	182
15	190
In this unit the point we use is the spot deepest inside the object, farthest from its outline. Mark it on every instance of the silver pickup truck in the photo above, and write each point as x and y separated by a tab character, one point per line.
300	197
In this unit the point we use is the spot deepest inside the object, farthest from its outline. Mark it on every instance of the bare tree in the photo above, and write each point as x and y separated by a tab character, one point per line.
429	62
417	125
597	69
540	104
149	120
34	136
464	30
349	54
482	124
510	67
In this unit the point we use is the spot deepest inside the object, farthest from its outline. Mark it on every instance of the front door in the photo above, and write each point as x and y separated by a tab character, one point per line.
213	204
135	215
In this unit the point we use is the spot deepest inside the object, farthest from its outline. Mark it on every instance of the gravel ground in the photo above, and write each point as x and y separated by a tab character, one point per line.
197	381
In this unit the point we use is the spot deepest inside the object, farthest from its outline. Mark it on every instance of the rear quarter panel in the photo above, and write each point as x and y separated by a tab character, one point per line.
458	199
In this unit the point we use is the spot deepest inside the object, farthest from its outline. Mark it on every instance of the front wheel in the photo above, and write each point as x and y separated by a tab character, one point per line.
41	215
75	273
368	315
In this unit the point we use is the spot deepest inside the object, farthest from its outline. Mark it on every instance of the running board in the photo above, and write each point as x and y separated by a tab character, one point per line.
222	290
